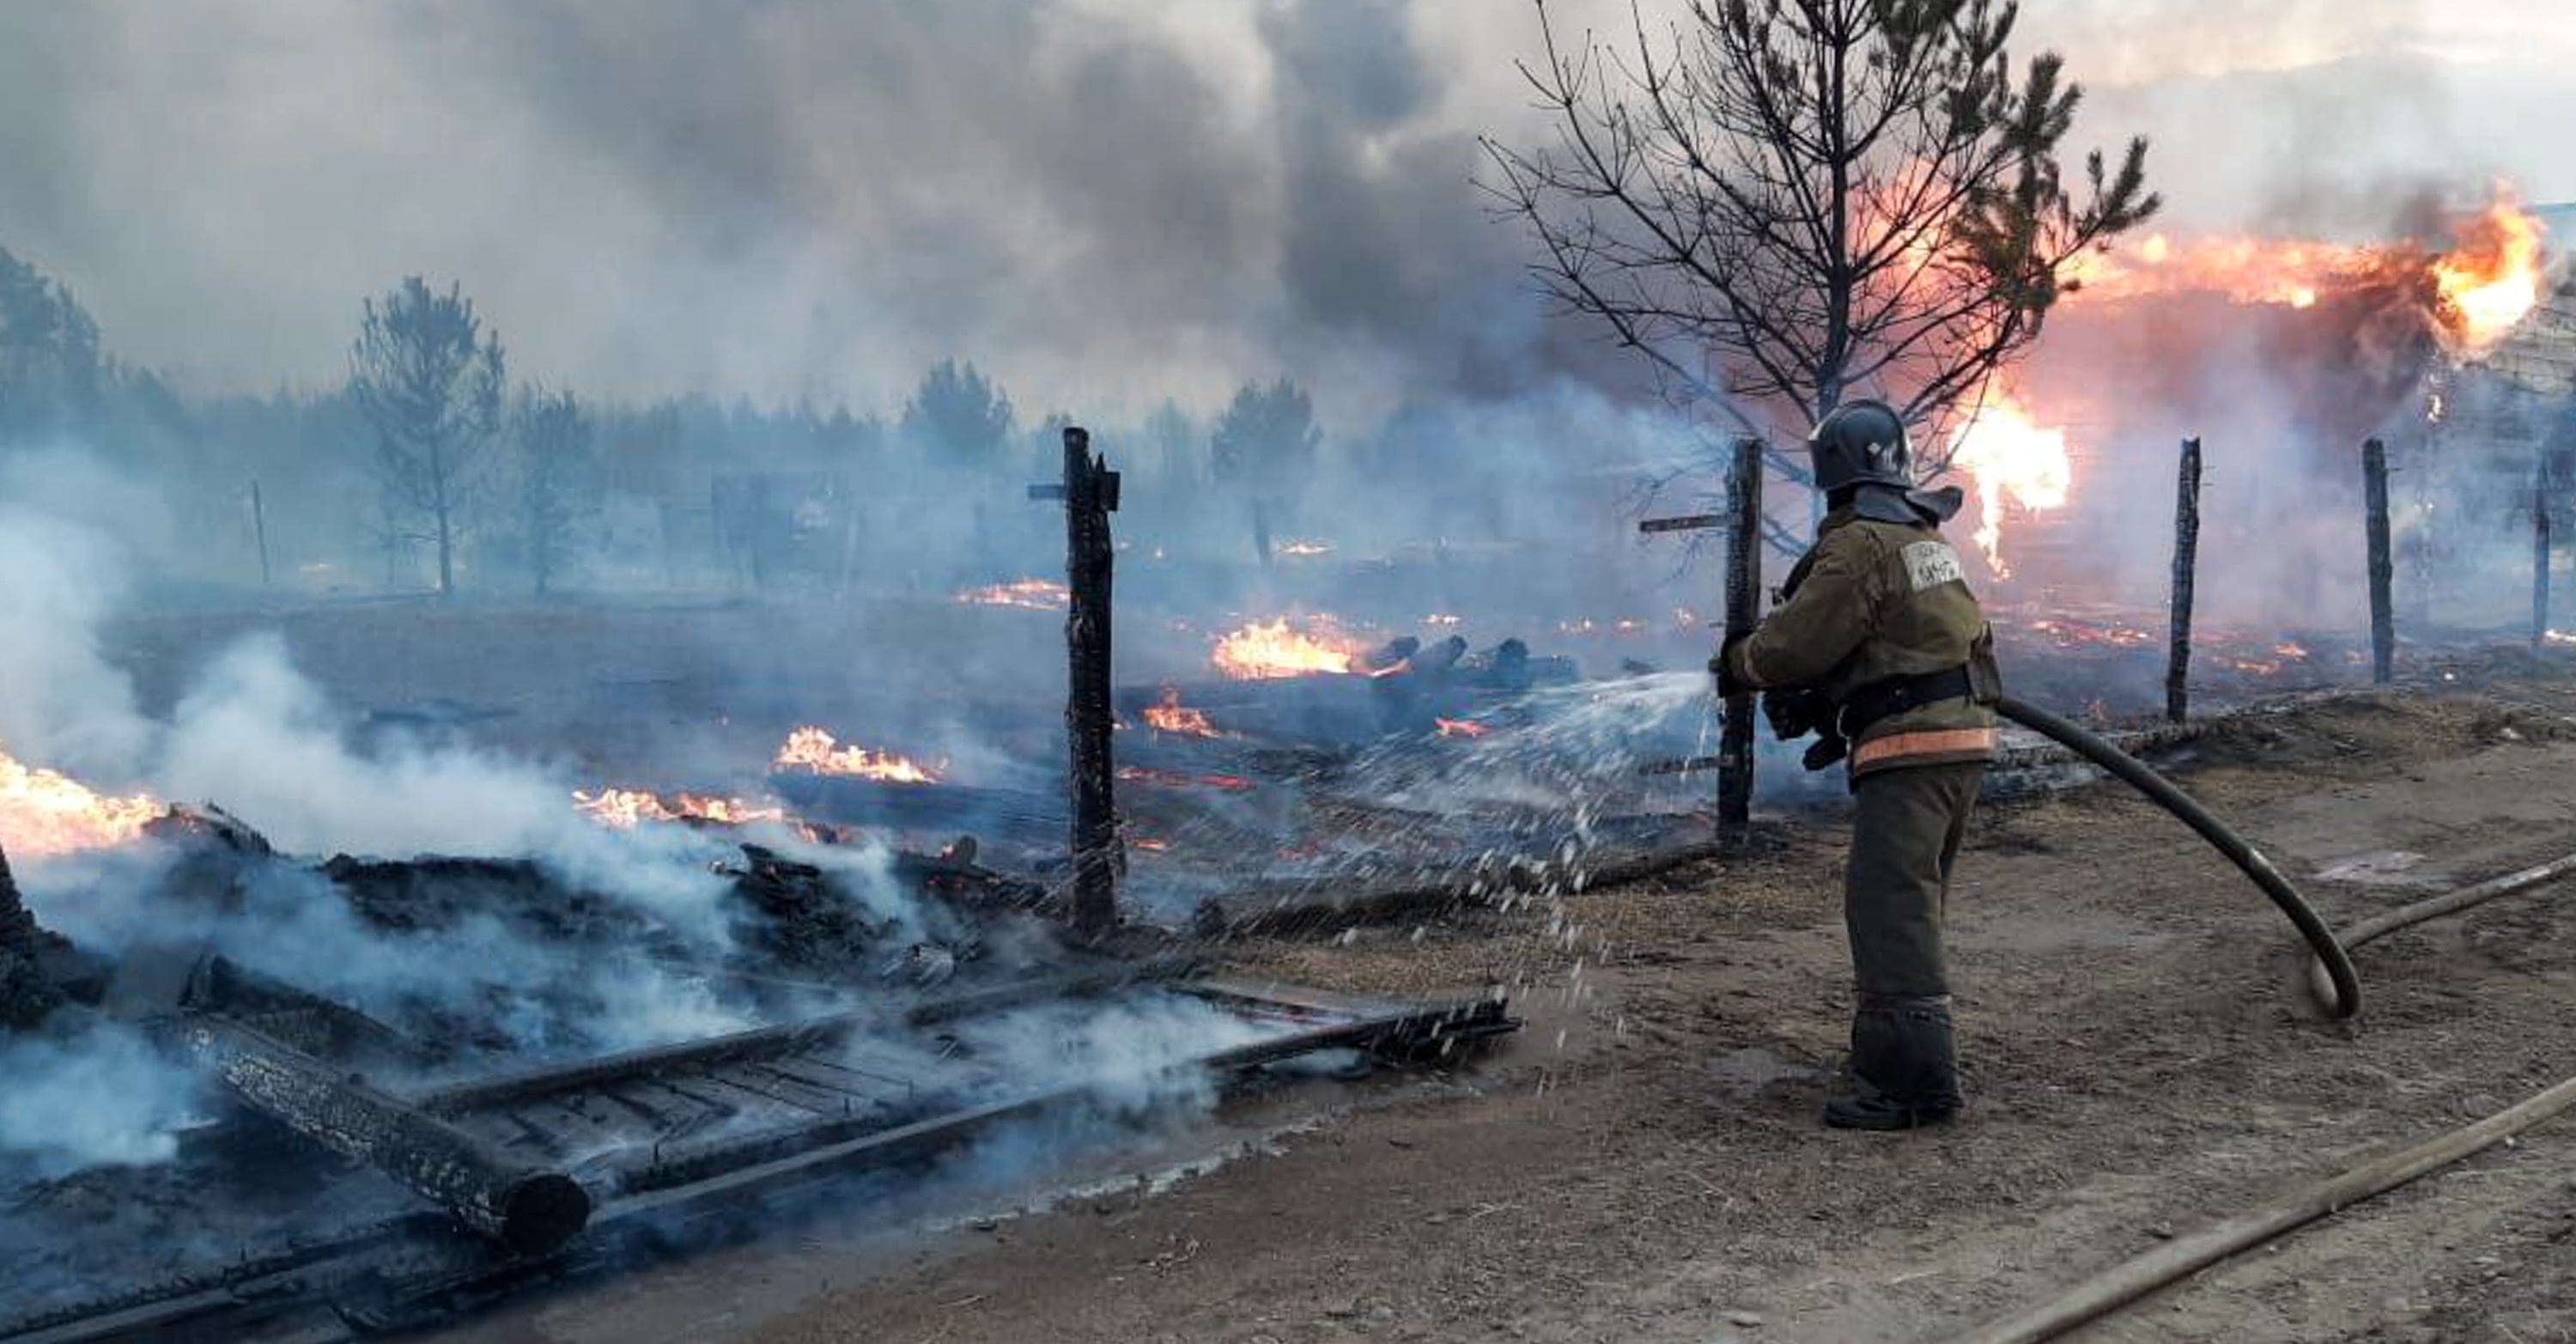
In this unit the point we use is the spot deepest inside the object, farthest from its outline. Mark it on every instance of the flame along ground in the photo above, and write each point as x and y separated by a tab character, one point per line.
2478	292
44	812
626	808
1169	715
815	749
1270	650
1032	594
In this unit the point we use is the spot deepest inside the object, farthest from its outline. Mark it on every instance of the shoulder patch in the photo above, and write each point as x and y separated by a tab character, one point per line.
1929	564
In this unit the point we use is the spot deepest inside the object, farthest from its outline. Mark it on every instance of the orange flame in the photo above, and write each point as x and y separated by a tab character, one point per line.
2008	453
46	812
624	809
812	748
1171	716
1033	594
2243	268
2480	290
1260	652
2491	280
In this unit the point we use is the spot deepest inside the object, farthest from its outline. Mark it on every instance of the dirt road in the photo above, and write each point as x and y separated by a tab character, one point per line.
1643	1163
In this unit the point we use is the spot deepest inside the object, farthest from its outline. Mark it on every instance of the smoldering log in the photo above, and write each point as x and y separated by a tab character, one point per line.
1436	662
2383	620
2186	559
532	1210
1395	653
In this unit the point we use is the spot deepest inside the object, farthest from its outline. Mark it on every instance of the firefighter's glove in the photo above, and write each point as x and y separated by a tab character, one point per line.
1723	666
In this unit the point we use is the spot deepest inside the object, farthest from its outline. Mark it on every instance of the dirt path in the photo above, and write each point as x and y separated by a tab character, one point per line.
1643	1163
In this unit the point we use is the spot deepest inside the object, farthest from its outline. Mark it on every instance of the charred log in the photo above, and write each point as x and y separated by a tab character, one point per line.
798	916
532	1210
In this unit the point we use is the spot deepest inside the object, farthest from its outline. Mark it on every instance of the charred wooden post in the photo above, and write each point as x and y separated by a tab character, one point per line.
532	1210
1090	494
1743	609
2383	620
25	994
2186	559
2539	557
259	531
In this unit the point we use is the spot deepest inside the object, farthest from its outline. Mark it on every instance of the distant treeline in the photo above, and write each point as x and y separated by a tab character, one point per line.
441	464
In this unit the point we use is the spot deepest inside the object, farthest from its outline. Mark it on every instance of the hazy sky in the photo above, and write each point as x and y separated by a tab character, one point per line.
1103	200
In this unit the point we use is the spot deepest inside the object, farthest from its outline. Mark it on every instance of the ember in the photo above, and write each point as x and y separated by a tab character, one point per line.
1260	652
1169	715
624	809
1033	594
45	812
1145	774
814	749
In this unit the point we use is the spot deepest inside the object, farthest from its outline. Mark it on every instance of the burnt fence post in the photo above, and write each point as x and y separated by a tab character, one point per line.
1090	494
2186	560
259	531
1743	609
2540	557
2383	621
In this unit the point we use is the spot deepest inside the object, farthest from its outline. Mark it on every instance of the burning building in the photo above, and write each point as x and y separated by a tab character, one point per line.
2282	356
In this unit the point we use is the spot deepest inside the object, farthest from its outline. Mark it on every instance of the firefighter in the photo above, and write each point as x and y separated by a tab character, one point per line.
1878	647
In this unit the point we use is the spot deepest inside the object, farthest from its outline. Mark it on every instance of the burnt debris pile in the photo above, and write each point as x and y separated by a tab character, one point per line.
359	1093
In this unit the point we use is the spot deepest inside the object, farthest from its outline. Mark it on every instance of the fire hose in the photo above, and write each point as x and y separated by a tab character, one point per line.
2339	988
2331	977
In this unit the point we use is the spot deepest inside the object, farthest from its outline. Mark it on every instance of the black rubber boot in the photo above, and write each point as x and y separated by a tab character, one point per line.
1906	1064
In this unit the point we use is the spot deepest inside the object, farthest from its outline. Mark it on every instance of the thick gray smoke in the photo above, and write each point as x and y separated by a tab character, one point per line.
1108	201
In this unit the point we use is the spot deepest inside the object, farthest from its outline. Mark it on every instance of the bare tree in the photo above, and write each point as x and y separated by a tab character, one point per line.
1782	202
554	480
429	378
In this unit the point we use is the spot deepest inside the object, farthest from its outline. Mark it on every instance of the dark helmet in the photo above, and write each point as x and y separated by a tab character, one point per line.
1861	442
1862	446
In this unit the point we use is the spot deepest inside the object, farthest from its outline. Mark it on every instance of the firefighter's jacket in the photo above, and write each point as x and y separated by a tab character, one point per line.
1872	600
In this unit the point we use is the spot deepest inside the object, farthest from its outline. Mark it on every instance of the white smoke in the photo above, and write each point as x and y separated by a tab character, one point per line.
101	1097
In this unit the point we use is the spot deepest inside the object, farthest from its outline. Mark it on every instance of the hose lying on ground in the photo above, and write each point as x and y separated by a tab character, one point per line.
2434	907
2345	997
2183	1256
